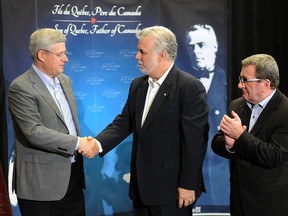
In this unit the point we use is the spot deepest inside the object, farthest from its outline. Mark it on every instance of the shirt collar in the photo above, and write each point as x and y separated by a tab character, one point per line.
45	78
264	102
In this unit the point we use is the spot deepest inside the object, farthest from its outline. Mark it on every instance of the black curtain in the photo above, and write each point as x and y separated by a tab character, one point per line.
3	123
257	26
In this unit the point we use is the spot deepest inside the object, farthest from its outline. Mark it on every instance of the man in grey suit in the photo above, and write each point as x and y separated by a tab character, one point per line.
49	176
167	113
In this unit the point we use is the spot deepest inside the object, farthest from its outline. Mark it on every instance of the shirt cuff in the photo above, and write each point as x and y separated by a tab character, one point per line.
77	144
229	150
99	146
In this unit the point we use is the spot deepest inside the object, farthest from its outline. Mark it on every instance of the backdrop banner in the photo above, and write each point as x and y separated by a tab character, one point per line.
101	47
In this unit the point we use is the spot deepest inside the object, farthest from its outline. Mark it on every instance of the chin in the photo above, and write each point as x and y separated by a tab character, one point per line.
245	97
144	72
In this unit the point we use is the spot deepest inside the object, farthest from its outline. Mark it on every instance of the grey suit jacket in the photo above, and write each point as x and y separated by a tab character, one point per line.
43	146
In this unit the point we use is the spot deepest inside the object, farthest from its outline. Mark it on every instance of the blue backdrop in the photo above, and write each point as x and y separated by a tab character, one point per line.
101	47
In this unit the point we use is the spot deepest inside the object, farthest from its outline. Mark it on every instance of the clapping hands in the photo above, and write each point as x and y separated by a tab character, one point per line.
232	128
88	147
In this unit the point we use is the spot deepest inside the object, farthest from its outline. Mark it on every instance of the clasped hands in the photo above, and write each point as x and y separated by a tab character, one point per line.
88	147
232	128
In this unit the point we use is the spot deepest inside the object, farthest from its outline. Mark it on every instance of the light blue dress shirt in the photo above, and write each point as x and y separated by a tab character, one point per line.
56	91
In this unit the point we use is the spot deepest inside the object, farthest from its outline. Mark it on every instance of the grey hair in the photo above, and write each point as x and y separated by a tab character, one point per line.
43	39
165	40
266	68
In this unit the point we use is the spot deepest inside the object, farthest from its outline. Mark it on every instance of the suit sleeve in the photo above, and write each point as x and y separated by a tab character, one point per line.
194	129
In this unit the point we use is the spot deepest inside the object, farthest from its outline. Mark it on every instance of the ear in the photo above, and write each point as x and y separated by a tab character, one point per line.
41	54
267	85
162	56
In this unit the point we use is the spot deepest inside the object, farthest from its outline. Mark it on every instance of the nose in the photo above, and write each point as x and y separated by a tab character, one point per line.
137	56
65	58
241	84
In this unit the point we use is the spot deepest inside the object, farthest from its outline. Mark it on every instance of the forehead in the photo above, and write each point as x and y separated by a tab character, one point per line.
248	71
146	43
58	46
200	36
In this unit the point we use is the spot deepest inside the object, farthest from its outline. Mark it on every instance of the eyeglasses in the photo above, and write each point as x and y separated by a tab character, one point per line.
244	80
58	55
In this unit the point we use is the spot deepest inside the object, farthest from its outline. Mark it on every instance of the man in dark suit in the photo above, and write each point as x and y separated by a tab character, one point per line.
49	176
254	138
167	113
202	47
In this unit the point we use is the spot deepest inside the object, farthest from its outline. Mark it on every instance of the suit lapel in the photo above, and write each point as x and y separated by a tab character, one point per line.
40	87
218	84
267	113
70	98
245	114
160	98
140	102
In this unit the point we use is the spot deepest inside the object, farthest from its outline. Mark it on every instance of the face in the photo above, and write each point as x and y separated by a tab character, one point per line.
53	60
147	58
253	92
202	49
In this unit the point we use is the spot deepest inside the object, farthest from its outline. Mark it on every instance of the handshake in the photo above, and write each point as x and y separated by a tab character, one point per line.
88	147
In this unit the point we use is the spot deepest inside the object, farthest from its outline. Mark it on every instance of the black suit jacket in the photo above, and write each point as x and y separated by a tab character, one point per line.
169	149
259	166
